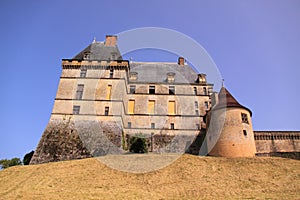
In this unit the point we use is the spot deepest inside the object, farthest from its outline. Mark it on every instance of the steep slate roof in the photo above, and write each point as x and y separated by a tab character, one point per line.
226	100
150	72
156	72
98	51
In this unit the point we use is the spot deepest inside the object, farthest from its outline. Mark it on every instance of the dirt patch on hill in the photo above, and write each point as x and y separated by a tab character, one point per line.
189	177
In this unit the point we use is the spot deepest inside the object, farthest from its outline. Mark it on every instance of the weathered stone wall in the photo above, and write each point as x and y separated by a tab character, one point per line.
268	142
165	143
60	141
75	139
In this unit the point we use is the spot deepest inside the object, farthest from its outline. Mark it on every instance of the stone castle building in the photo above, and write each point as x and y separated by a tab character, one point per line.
102	101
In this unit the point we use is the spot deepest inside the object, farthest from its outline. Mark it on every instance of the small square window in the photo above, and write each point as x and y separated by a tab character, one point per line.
106	111
172	126
129	125
196	112
152	125
152	89
245	118
172	89
76	110
132	89
245	132
198	126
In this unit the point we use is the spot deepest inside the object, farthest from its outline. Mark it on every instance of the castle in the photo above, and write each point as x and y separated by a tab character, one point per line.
102	101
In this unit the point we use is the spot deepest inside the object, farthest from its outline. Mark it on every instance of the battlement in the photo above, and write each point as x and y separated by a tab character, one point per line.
76	64
270	142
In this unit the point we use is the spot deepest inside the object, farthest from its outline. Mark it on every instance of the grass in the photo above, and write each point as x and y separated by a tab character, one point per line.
189	177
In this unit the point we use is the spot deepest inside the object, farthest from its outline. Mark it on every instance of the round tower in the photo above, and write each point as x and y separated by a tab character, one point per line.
236	138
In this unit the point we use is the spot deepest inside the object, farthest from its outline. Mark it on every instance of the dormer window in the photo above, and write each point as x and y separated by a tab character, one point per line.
113	56
133	76
170	77
86	55
201	78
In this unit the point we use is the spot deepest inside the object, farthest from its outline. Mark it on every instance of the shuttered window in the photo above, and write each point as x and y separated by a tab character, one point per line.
108	92
151	107
171	108
131	107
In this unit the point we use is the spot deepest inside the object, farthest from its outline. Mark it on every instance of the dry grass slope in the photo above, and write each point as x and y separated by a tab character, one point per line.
190	177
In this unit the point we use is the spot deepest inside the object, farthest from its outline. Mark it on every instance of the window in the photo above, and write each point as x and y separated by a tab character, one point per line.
206	104
152	125
129	125
76	110
152	89
111	73
172	126
204	91
171	89
113	55
108	92
79	91
83	73
245	118
132	89
196	104
195	90
151	107
196	112
131	106
106	111
245	132
86	55
198	126
171	108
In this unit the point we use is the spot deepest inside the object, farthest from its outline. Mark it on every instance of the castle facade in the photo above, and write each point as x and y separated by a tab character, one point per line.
102	101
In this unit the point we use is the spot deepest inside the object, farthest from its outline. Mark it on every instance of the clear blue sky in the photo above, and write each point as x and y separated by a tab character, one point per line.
255	44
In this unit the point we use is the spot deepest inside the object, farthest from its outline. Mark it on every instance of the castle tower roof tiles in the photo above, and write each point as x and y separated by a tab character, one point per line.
226	100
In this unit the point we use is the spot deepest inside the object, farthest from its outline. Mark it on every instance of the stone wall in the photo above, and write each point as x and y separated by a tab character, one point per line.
270	142
60	141
75	139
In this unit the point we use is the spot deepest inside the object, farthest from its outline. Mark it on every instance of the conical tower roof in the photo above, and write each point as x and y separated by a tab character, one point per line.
226	100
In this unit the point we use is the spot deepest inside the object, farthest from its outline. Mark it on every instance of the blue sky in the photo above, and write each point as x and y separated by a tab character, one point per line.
255	44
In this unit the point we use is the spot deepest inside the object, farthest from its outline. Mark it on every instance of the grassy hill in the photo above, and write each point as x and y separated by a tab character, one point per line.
190	177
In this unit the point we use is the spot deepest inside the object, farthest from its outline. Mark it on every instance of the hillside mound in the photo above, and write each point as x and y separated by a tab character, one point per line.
189	177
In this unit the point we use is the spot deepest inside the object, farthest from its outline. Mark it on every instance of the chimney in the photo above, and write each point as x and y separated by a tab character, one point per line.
181	61
111	40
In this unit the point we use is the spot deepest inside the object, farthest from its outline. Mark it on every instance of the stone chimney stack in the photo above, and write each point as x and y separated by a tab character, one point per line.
111	40
181	61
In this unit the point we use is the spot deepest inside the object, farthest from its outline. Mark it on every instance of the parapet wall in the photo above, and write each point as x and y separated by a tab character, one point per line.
270	142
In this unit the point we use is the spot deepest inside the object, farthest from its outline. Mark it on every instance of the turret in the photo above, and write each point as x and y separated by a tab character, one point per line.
236	138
